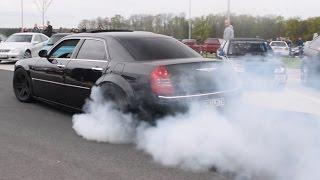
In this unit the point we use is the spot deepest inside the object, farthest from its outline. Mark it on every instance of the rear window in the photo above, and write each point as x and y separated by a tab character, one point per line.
20	38
213	41
246	47
156	48
279	44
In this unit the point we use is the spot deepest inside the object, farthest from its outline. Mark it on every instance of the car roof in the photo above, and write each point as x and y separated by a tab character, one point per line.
277	41
104	35
26	33
247	39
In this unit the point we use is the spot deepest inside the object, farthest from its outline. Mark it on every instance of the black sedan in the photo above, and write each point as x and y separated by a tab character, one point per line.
139	71
310	68
256	62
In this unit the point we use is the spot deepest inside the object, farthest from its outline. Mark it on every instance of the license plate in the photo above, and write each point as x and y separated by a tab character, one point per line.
2	56
218	102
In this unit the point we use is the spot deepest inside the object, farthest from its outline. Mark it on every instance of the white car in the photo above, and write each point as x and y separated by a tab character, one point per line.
22	45
280	48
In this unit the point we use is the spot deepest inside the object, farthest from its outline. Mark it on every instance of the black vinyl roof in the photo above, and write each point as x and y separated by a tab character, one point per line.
116	34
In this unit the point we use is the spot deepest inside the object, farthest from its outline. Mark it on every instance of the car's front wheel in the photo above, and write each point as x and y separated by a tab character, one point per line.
22	85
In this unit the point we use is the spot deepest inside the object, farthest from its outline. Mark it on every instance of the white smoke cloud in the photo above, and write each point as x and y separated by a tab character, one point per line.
252	143
103	123
249	141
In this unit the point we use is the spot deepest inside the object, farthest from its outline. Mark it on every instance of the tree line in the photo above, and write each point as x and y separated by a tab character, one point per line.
212	25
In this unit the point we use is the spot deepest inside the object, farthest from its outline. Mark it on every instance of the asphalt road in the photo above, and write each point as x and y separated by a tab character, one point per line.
37	142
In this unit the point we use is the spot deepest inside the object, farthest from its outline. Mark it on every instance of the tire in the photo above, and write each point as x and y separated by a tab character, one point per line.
22	86
117	96
27	54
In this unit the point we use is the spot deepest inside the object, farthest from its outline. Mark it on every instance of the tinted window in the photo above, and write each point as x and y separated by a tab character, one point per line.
92	49
245	47
117	51
37	38
64	49
315	44
156	48
19	38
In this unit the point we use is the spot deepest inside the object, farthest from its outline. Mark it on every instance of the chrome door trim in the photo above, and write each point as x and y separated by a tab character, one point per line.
62	84
198	95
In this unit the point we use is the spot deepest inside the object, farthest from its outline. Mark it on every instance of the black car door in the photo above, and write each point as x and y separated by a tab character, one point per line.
49	73
85	69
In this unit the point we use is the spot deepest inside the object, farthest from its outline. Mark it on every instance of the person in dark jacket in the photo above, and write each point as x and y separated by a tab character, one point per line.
300	44
36	29
48	30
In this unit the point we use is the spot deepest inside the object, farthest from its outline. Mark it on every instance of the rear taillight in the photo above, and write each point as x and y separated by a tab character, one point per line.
161	82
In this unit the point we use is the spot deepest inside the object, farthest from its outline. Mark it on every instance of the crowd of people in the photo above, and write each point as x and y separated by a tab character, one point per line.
47	30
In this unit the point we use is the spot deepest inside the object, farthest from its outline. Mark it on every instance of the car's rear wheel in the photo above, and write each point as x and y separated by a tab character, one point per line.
27	54
22	85
115	94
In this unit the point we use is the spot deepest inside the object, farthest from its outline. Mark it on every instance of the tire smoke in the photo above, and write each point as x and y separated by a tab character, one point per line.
248	141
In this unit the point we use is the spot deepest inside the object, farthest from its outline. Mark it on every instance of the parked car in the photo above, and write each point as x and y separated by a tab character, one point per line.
310	68
254	59
280	48
193	44
54	38
140	72
22	45
211	45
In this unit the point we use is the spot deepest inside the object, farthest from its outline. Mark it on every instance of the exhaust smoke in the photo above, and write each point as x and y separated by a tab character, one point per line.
250	142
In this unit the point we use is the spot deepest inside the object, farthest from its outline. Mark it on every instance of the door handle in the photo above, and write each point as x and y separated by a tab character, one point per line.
61	65
96	69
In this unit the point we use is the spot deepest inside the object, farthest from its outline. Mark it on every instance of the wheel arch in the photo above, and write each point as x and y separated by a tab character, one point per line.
118	81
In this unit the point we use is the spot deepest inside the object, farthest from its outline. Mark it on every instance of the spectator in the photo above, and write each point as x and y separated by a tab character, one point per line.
48	30
228	32
300	44
36	29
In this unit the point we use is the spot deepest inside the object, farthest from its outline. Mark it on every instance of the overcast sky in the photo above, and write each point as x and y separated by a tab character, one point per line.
68	13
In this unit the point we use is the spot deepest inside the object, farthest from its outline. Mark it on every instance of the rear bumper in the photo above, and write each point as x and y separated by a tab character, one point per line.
10	57
164	105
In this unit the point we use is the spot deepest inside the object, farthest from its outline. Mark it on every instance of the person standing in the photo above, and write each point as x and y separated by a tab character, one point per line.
48	30
228	31
300	44
36	29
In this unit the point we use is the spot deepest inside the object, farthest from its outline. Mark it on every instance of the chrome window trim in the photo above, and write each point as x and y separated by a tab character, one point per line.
108	58
89	60
198	95
63	84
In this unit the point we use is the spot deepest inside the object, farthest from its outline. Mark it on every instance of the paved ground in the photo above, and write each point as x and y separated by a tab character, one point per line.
38	142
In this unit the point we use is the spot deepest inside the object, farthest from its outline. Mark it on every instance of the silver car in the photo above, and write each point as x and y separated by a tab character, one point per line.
22	45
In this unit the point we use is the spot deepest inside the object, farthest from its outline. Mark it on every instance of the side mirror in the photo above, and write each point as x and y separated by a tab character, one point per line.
220	52
43	53
36	42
